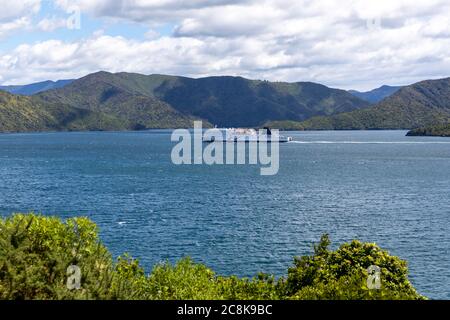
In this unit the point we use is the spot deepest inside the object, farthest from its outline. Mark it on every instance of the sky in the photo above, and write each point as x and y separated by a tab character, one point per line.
348	44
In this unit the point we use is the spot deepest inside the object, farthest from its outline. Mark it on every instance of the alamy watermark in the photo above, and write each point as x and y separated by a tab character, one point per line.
218	147
74	20
374	277
71	19
73	277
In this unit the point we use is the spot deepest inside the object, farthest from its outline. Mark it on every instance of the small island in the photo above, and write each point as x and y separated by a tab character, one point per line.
442	130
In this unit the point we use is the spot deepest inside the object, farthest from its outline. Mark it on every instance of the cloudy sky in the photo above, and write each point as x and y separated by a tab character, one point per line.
350	44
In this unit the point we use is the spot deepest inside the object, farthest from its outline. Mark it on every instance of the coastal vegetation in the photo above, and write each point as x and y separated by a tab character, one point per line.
440	130
39	253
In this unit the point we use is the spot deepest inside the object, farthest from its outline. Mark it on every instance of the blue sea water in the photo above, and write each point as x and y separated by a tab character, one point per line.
376	186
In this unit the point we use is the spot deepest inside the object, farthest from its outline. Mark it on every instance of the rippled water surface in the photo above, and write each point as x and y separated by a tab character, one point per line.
377	186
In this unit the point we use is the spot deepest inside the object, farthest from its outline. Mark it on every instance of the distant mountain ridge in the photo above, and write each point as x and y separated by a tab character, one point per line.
376	95
30	89
223	101
129	101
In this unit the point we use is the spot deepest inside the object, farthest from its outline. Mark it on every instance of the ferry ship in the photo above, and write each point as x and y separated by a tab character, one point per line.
246	135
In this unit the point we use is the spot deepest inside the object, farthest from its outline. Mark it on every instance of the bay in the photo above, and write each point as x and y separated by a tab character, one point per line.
375	186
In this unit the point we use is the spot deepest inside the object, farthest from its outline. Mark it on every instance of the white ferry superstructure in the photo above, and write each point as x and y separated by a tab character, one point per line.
246	135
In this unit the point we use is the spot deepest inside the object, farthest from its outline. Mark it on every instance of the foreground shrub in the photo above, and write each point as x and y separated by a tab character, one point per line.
343	274
36	252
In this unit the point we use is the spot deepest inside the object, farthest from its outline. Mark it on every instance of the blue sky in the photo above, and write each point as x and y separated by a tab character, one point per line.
89	24
350	44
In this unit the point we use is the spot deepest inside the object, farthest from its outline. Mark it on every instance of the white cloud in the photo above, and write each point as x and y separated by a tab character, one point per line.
8	27
16	15
152	34
12	10
144	10
288	40
52	24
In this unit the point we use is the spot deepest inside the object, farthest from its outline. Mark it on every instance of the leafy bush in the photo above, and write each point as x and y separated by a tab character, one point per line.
36	251
342	274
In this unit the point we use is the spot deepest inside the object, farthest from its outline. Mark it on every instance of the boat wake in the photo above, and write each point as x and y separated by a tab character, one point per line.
370	142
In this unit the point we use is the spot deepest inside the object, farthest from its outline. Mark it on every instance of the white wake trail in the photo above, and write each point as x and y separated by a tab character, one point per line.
370	142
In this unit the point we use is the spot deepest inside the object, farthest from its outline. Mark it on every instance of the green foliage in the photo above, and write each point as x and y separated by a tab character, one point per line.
439	130
28	114
342	274
35	252
129	281
262	287
191	281
19	113
286	125
185	280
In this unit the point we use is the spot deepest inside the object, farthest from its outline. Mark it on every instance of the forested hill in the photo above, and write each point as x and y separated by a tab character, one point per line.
224	101
426	103
127	101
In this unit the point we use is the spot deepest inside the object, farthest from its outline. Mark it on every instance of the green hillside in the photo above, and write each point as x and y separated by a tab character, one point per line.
422	104
235	101
27	114
126	100
19	113
165	101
